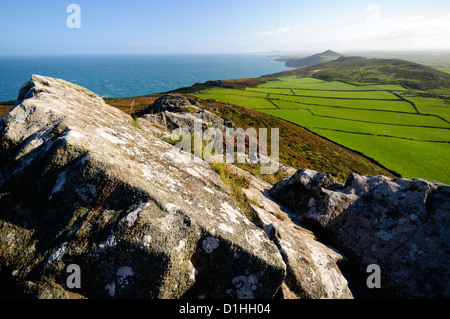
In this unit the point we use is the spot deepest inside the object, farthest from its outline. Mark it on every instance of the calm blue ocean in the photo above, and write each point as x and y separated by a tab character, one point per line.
132	75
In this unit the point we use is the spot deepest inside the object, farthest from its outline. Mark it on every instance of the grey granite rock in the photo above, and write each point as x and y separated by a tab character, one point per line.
401	225
79	184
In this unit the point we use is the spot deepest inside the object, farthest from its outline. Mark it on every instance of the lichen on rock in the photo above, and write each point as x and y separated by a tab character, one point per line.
81	185
402	225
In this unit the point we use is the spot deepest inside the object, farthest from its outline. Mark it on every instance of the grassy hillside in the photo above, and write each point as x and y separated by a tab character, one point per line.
439	60
299	147
358	70
401	128
300	61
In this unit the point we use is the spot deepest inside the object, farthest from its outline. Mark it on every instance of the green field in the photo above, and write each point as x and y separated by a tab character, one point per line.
383	105
254	100
407	133
316	84
435	106
446	70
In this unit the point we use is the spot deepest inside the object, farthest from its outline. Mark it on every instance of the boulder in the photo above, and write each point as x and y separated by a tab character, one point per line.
312	268
401	225
316	197
79	184
173	103
176	111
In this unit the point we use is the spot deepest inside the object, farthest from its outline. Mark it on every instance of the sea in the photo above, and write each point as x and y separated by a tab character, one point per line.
132	75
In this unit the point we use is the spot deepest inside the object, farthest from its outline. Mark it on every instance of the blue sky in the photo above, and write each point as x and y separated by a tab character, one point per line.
223	26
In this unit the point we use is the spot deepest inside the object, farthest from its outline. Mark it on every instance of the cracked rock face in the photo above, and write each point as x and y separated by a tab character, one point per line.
79	184
402	225
312	267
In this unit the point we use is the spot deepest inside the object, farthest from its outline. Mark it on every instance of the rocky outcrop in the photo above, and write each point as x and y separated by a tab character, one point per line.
173	103
312	267
401	225
84	185
174	111
79	184
316	197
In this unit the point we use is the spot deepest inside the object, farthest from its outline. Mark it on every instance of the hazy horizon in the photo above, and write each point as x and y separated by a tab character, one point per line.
272	52
222	27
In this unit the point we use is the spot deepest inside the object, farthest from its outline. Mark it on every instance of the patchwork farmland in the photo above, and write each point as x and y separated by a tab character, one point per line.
403	131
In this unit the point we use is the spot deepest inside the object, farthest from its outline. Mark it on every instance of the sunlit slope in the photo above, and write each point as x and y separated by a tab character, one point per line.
407	133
